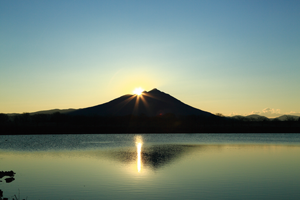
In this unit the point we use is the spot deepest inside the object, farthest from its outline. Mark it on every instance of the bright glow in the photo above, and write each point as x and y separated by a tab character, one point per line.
139	143
138	91
139	157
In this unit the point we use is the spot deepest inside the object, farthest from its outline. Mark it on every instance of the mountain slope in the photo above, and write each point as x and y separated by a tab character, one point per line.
150	103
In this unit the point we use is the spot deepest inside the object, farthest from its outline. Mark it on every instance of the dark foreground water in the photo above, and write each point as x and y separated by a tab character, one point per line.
158	166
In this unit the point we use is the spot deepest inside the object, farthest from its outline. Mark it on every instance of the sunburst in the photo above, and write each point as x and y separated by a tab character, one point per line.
138	91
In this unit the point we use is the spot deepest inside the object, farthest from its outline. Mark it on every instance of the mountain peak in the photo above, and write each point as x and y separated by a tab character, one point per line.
154	91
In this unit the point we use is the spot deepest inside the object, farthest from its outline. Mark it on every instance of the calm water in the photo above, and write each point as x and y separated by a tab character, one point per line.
158	166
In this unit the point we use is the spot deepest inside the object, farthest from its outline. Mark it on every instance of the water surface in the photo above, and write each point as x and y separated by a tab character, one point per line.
152	166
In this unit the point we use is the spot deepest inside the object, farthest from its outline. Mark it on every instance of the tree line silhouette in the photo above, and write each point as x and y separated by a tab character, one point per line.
169	123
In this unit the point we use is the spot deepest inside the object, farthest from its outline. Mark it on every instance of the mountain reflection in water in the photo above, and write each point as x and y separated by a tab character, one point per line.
152	156
155	156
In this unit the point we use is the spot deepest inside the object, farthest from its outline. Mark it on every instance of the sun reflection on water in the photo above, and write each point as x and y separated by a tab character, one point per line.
139	144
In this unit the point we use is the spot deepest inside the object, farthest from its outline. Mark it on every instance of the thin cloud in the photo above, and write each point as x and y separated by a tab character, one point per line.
271	111
268	112
254	113
232	114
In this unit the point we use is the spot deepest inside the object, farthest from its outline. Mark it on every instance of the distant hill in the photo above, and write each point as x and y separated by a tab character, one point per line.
287	117
150	103
250	118
62	111
256	117
48	112
263	118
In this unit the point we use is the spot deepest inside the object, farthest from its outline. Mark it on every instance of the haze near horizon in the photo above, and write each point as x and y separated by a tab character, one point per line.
229	57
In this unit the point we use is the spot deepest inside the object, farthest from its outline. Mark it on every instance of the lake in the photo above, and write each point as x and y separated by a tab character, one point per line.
152	166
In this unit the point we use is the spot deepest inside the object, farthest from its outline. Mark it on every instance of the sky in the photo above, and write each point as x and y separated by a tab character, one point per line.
232	57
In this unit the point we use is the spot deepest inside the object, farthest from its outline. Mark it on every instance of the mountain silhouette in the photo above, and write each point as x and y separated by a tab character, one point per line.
152	103
62	111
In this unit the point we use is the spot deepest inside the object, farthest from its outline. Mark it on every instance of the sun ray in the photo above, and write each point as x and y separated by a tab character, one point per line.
136	105
145	103
124	103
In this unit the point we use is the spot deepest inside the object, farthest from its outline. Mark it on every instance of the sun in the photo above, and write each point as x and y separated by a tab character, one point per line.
138	91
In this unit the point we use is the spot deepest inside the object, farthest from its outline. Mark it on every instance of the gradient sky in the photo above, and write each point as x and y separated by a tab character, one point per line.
230	57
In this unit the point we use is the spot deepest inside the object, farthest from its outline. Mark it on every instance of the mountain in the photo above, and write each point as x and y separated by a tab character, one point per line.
46	112
257	117
250	118
253	117
288	118
263	118
150	103
62	111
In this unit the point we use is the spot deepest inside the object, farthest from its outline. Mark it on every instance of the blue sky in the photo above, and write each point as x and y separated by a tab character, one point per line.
229	57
